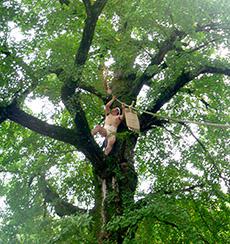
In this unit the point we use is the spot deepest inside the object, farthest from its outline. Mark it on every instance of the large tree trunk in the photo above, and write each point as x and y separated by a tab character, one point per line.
114	189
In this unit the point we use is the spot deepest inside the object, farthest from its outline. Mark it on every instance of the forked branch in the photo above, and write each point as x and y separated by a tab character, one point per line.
168	92
61	206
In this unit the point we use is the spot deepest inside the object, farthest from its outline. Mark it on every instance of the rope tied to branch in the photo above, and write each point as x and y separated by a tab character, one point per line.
176	120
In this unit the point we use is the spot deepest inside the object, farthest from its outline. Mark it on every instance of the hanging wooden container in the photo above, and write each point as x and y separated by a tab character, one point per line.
132	120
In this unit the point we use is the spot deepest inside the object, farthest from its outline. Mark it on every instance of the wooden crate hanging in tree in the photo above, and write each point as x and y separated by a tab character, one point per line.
132	120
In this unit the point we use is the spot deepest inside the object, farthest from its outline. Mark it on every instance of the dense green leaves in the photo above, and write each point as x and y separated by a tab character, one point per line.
183	169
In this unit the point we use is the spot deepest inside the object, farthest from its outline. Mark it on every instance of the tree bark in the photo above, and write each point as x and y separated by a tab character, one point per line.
114	192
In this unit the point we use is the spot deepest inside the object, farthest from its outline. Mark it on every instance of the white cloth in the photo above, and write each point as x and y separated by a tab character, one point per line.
110	130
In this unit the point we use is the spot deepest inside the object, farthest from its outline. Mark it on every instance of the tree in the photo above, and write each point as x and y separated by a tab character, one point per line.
57	184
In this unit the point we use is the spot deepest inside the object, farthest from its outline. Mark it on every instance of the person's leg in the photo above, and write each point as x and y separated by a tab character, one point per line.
110	141
100	130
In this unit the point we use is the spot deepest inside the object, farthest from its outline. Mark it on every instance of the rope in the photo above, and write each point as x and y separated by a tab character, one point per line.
175	120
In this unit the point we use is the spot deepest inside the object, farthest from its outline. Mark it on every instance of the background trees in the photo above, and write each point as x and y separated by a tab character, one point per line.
56	183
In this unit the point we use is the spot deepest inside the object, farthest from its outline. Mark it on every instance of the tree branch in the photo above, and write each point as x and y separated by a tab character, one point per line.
87	7
216	70
2	115
165	95
208	155
166	222
144	201
22	93
98	6
78	138
70	83
93	91
168	92
166	46
72	100
61	206
83	142
156	60
212	26
81	85
88	32
15	114
66	2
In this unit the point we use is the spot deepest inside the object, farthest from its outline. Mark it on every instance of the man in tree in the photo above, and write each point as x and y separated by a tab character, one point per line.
112	121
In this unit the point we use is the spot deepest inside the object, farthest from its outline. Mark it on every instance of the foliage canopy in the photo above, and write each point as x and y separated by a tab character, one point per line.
172	58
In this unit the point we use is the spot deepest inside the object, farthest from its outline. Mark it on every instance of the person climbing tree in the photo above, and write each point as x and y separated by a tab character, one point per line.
112	121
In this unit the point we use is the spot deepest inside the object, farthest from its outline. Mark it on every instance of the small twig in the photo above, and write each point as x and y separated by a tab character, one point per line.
207	153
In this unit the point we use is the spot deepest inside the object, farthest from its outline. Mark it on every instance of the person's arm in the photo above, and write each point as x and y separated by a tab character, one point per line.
123	111
108	105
